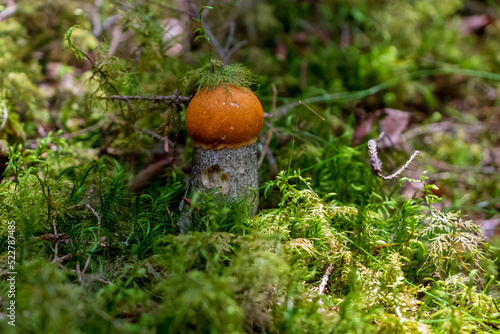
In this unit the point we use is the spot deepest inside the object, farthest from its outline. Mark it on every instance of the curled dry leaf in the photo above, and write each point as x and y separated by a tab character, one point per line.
393	125
475	24
364	121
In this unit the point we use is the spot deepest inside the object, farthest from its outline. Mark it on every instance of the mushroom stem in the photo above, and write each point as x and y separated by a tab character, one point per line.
231	172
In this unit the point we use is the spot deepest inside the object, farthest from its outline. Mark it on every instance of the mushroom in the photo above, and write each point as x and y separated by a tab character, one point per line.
229	117
224	118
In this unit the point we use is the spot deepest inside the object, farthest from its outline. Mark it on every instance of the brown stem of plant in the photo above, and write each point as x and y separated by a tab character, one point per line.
171	98
81	273
98	221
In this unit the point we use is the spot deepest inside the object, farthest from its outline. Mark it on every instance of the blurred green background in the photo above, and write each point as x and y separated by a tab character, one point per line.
335	54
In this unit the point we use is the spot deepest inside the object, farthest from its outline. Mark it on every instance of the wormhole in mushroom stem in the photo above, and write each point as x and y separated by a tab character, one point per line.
215	177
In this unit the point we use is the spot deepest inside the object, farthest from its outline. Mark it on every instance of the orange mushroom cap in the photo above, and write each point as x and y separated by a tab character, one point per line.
228	116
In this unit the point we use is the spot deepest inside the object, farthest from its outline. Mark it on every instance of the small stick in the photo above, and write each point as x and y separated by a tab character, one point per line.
54	225
324	280
78	270
271	129
55	253
173	98
5	116
189	202
81	273
56	258
10	10
98	220
266	146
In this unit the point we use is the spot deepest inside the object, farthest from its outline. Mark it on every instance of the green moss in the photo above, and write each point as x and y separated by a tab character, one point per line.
214	74
335	251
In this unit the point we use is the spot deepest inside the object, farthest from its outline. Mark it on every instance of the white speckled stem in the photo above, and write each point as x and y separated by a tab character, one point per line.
231	171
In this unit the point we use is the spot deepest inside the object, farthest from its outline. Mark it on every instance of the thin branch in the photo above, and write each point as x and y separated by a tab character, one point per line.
62	258
230	37
235	48
116	35
83	131
55	238
101	241
440	127
33	143
116	324
5	116
107	23
78	270
275	99
54	225
10	10
225	52
266	145
238	7
98	221
56	258
217	46
324	280
81	273
86	265
95	18
273	167
173	9
173	98
96	70
265	150
153	134
146	175
188	201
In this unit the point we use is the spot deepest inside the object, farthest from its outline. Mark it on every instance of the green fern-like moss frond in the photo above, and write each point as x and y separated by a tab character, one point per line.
214	74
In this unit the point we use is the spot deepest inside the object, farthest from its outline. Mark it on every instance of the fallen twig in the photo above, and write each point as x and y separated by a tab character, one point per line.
83	131
324	280
172	98
189	203
266	142
5	116
98	220
10	10
147	174
440	127
81	273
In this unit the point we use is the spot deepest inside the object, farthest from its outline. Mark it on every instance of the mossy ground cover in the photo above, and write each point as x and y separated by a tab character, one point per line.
94	185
